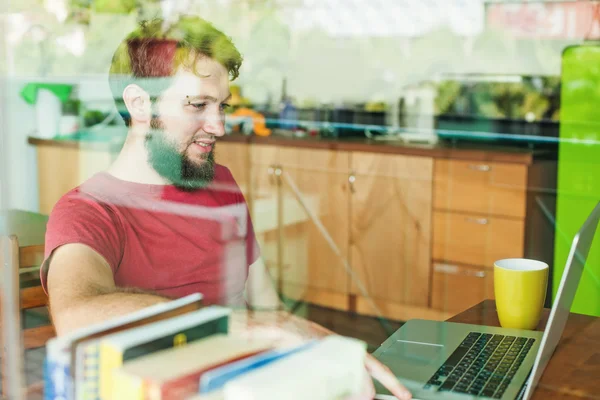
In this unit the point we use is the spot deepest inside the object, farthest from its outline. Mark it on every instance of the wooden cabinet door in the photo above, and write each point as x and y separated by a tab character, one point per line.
457	287
315	194
61	169
236	157
391	227
481	188
263	203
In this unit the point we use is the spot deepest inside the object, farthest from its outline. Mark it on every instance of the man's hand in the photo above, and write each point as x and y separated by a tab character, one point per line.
286	329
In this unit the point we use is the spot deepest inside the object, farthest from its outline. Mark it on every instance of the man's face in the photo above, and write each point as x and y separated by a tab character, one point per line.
190	118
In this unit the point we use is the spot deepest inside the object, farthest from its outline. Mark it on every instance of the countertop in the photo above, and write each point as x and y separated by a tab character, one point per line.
484	152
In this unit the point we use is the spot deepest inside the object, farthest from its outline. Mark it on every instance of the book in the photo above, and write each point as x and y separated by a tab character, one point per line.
331	369
85	351
58	383
215	379
173	374
118	348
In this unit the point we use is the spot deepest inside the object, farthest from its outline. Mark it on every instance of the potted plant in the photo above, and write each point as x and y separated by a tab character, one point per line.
146	12
152	48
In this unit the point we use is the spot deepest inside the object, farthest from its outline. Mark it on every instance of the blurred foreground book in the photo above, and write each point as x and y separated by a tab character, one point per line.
61	352
174	374
179	351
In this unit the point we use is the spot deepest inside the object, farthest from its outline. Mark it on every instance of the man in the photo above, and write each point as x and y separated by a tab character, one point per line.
164	220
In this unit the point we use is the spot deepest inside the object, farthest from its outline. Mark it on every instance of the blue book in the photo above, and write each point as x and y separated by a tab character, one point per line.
216	379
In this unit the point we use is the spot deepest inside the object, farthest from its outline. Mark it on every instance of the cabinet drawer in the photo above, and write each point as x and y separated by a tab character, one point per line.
476	240
480	188
457	288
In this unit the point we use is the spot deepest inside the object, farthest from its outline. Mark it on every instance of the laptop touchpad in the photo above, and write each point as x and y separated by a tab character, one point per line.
425	353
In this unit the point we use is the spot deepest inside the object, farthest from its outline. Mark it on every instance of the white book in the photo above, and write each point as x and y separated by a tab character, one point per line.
334	368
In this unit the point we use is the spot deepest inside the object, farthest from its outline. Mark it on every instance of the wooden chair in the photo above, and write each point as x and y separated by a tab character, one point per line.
21	260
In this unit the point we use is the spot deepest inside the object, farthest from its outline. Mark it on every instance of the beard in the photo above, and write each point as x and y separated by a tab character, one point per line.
174	165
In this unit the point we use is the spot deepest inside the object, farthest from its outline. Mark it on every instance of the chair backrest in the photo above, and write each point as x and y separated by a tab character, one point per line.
13	379
18	261
24	232
34	296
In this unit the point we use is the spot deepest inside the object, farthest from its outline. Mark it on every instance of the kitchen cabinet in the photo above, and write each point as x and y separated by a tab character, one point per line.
315	243
389	230
293	192
72	166
390	237
479	217
263	204
236	157
376	211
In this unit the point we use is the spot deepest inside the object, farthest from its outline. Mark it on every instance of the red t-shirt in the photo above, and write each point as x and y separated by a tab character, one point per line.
161	238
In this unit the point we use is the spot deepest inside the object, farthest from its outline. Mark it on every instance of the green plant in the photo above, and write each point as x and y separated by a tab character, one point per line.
93	117
156	28
80	10
71	107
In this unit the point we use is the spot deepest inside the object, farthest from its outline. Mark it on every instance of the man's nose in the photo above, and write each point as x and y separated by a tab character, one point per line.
214	124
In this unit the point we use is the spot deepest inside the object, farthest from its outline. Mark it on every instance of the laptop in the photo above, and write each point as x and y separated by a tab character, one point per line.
436	360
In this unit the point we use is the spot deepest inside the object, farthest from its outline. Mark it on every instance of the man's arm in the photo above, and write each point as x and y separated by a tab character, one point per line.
82	290
260	288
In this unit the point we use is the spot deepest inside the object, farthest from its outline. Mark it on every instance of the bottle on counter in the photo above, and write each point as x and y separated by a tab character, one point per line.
288	115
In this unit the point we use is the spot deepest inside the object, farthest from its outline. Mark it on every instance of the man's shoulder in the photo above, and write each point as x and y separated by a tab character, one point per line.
83	196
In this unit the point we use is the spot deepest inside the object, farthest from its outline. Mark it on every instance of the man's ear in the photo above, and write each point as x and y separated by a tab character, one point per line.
138	104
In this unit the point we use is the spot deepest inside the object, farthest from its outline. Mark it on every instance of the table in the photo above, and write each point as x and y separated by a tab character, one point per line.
574	370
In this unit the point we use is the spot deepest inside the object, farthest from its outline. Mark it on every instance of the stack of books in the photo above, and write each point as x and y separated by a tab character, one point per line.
180	350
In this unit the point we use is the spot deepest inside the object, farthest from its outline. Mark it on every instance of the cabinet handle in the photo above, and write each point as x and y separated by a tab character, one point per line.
479	221
455	270
274	171
351	180
480	167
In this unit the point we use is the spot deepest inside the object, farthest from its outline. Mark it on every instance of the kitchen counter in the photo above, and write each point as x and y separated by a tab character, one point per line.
486	152
434	195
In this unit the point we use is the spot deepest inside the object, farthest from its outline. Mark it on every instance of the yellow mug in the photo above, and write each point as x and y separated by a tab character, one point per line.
520	290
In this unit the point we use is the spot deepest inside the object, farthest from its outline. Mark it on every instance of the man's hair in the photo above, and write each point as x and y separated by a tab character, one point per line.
195	38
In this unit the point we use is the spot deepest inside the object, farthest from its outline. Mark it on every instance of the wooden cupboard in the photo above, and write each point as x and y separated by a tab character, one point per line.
390	202
237	158
263	203
61	169
314	184
307	190
355	227
367	228
480	215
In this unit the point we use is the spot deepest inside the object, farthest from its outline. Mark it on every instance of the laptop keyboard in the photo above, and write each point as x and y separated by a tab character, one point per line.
482	365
